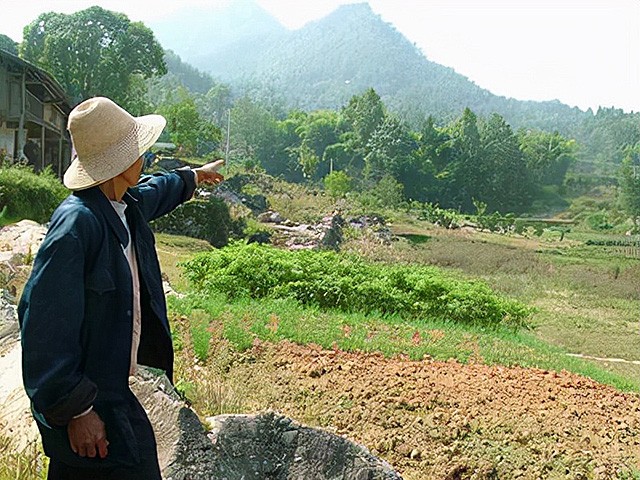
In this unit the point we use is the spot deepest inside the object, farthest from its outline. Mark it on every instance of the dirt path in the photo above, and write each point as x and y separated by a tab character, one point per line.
445	420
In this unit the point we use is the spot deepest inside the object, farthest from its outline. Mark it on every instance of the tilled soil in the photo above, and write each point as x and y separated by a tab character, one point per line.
446	420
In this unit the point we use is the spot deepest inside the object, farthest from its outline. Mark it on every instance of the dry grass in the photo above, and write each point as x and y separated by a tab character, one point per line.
30	464
587	297
173	249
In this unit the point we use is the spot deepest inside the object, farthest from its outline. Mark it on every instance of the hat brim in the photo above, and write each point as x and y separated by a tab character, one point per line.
118	159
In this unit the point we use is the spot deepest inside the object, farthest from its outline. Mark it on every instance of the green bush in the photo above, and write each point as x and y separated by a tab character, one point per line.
337	184
26	194
333	281
205	219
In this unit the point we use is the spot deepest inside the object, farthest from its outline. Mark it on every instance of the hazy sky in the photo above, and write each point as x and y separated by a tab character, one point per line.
585	53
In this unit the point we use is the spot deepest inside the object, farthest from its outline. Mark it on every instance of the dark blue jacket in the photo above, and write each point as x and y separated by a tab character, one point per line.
76	317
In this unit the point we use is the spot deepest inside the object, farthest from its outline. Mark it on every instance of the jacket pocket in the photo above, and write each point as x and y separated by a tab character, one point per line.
100	282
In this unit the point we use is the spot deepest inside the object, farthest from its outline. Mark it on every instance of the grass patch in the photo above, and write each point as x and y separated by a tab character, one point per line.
174	249
29	464
242	321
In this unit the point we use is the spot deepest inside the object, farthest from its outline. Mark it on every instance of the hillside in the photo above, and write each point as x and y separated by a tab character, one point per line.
326	62
215	40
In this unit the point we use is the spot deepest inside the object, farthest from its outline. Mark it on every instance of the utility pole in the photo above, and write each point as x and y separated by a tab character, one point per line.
226	153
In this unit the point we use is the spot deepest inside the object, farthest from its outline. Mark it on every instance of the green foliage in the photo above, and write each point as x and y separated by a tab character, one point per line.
28	464
599	221
26	194
200	334
8	44
443	217
364	114
630	184
187	129
255	136
387	193
337	184
548	155
205	219
332	281
94	52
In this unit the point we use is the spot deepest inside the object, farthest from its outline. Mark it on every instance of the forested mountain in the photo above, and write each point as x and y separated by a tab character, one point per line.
326	62
219	41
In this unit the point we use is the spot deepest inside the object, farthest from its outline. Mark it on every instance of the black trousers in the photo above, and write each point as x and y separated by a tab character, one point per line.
146	470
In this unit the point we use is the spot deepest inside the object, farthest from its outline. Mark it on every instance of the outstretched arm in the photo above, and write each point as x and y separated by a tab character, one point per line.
161	193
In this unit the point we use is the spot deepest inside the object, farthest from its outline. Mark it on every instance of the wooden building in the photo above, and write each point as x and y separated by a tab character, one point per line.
33	115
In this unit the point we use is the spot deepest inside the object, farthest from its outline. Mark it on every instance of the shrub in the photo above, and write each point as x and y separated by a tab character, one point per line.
337	184
26	194
348	283
205	219
387	193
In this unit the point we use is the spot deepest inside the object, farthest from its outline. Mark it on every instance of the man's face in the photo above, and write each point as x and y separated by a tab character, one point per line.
132	174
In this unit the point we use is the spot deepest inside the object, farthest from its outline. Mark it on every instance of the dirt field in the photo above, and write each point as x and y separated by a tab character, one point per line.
445	420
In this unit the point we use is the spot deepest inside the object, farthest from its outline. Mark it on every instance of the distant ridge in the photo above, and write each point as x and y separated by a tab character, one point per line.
326	62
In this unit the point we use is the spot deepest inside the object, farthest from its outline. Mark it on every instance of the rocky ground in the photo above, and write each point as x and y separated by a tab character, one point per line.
445	420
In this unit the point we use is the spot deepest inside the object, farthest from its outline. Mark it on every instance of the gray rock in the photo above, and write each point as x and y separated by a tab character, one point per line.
272	446
270	217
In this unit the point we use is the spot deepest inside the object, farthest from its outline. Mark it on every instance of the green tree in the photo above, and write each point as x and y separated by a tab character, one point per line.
548	155
255	136
630	184
508	187
387	193
317	130
432	155
464	177
363	115
389	151
94	52
8	44
187	129
217	103
308	160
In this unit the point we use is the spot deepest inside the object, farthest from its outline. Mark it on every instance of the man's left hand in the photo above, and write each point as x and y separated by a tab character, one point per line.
209	173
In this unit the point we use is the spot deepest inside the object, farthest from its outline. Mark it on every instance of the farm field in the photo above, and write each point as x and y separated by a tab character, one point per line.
437	400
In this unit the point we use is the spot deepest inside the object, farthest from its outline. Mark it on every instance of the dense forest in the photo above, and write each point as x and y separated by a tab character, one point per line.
343	101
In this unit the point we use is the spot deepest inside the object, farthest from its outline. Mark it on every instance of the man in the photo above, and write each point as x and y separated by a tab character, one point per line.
94	306
31	150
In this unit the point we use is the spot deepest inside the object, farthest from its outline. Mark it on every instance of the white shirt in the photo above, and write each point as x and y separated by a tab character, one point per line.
130	253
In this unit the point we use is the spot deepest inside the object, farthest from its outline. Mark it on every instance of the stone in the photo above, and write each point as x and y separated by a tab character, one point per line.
22	238
270	445
270	217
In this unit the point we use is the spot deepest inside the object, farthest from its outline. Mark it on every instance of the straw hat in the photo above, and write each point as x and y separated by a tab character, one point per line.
107	140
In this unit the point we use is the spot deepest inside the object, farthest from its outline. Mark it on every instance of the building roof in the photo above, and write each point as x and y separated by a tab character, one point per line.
39	80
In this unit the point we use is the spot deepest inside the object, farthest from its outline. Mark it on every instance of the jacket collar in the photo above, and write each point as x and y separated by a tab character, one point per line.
99	203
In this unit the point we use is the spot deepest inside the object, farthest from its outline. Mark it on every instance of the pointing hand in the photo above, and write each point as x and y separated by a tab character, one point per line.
209	173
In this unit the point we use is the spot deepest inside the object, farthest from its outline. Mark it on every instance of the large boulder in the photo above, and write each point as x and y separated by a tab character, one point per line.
270	445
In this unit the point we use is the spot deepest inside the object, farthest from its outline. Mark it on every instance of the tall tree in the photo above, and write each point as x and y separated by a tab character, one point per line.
94	52
547	155
255	134
363	115
187	129
508	187
318	130
431	157
389	150
465	176
630	184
